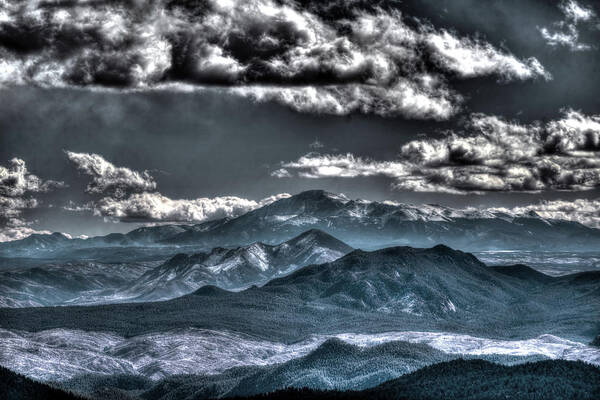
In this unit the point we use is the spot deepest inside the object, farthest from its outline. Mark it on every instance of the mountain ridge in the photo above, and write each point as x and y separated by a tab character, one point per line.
230	268
473	380
240	267
360	223
383	290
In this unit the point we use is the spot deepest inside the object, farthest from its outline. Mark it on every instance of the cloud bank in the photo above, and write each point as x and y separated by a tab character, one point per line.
492	154
566	32
584	211
156	207
17	186
129	195
330	57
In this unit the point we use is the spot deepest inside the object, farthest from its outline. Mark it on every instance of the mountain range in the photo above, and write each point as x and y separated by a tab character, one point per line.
399	288
359	223
97	283
310	311
236	268
226	308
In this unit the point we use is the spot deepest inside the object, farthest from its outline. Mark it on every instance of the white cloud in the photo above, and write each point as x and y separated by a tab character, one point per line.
405	97
492	155
281	173
568	37
107	178
315	165
584	211
576	12
17	232
16	180
566	32
130	195
317	144
306	57
470	58
156	207
17	186
573	133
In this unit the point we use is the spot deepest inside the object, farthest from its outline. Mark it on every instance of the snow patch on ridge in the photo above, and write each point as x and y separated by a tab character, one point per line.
61	354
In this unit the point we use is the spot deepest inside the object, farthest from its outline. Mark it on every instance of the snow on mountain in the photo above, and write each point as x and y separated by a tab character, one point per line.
360	223
369	224
63	283
236	268
61	354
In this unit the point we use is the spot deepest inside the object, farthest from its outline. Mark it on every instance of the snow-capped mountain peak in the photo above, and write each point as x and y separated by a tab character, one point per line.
235	268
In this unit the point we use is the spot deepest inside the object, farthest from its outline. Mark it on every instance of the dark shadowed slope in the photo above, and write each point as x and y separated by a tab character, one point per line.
17	387
457	379
475	380
524	273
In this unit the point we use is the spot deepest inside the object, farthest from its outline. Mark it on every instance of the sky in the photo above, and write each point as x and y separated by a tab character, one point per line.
116	114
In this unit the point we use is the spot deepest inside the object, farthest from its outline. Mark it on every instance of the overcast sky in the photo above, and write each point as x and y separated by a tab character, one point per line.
120	113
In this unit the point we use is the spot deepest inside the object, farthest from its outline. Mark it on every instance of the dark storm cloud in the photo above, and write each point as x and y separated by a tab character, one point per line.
492	154
17	185
566	32
323	59
130	195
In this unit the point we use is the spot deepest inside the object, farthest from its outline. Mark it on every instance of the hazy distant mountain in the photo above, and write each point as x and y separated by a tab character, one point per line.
153	234
97	283
66	283
364	224
361	224
35	243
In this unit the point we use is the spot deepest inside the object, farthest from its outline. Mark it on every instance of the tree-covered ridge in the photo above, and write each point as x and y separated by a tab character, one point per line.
457	379
473	380
14	386
335	365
